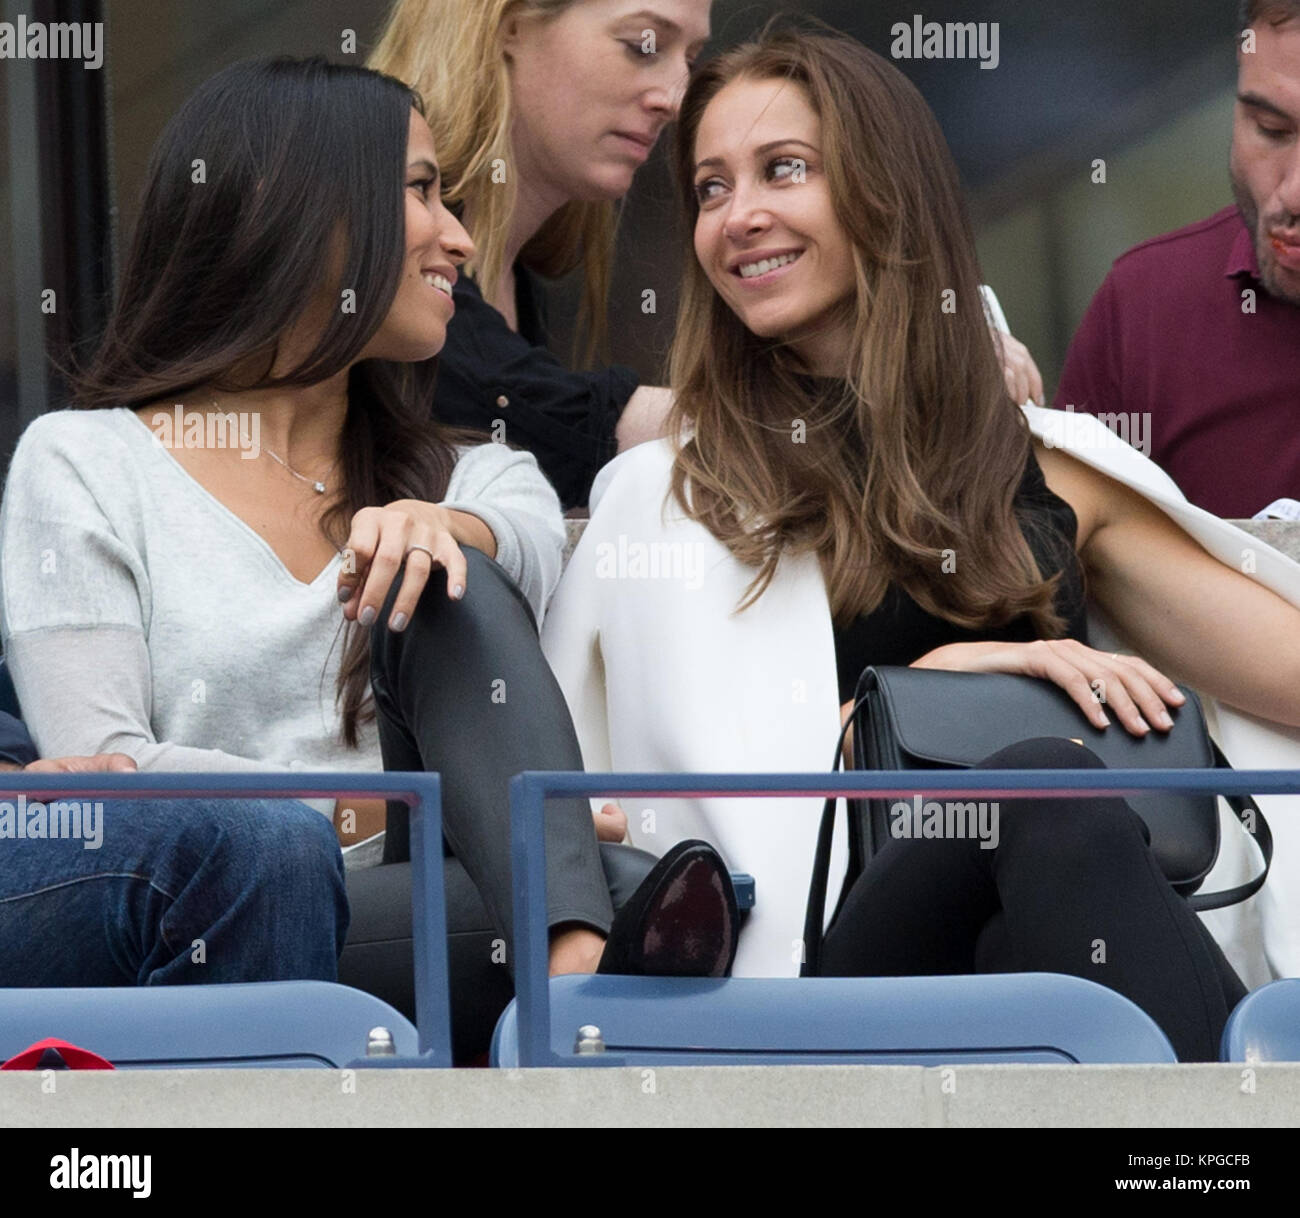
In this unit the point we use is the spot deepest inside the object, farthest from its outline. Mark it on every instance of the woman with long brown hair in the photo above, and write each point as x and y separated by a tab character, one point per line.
848	483
544	111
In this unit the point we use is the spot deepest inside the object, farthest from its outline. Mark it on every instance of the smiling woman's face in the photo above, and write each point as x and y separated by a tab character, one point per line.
767	235
436	244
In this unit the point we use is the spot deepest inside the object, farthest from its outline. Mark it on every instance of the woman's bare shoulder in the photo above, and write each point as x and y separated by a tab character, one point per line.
1097	498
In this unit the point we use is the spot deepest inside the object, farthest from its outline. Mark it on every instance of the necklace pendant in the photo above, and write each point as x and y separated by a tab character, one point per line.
318	487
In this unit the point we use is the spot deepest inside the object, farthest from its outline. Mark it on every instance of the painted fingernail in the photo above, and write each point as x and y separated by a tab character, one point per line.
399	622
458	591
345	594
368	615
1143	724
1164	720
1103	718
1178	697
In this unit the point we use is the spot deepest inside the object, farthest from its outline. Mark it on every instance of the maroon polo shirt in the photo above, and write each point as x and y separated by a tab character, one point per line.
1166	337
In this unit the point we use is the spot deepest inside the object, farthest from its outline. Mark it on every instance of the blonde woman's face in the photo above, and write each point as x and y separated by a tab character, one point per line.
767	235
593	87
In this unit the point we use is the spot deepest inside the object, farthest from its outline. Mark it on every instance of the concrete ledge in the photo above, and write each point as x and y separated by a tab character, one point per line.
1231	1096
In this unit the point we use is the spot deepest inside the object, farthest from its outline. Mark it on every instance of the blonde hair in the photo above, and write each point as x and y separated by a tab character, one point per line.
450	52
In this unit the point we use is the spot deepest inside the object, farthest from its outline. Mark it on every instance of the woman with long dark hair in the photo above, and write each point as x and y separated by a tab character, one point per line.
849	483
247	548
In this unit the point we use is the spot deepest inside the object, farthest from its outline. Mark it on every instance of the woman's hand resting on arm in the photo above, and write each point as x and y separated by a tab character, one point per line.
1137	693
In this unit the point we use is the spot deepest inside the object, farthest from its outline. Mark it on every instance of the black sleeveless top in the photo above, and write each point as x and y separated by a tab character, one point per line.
899	631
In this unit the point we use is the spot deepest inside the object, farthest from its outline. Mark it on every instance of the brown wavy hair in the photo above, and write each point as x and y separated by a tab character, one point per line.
919	450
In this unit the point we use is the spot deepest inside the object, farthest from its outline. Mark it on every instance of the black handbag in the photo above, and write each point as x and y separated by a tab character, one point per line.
919	718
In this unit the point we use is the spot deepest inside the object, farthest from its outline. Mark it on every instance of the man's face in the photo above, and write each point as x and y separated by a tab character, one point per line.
1266	153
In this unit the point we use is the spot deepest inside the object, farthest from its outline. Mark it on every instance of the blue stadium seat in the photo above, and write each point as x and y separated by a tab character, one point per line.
273	1023
926	1021
1265	1026
904	1020
285	1023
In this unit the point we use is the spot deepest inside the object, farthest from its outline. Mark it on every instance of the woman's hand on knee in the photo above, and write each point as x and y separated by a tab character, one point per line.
382	539
1138	694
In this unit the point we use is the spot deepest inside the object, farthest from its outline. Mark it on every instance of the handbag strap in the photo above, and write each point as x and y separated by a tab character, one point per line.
816	912
1244	806
1252	820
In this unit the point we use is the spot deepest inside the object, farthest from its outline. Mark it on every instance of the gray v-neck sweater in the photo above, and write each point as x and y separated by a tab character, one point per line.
140	615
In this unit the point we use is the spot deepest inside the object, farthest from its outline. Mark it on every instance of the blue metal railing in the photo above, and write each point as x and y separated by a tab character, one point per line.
529	792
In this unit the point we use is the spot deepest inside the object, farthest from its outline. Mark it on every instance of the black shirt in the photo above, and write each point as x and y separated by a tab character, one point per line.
487	372
899	631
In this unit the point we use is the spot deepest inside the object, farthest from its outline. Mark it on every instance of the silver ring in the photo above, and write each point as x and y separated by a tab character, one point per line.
422	549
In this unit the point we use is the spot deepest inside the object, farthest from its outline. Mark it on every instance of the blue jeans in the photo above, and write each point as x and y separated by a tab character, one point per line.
178	891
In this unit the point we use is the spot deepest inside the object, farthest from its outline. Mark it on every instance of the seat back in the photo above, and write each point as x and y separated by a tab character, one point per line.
925	1021
1265	1025
272	1023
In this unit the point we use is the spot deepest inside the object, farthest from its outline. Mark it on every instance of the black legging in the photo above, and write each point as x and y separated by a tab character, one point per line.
465	691
1070	879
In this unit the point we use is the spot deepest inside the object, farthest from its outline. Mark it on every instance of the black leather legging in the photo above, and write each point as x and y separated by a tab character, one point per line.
1071	888
465	691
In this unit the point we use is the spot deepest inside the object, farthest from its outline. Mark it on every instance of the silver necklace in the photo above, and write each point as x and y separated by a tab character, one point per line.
317	486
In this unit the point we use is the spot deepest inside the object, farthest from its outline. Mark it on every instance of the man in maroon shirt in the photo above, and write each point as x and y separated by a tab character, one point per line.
1191	347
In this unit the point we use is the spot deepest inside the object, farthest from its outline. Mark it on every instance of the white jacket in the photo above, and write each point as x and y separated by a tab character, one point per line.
661	675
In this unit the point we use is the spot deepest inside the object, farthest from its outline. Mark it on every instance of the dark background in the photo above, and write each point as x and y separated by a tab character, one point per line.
1146	86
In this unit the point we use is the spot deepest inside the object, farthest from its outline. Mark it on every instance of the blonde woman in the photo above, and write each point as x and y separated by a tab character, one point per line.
543	110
